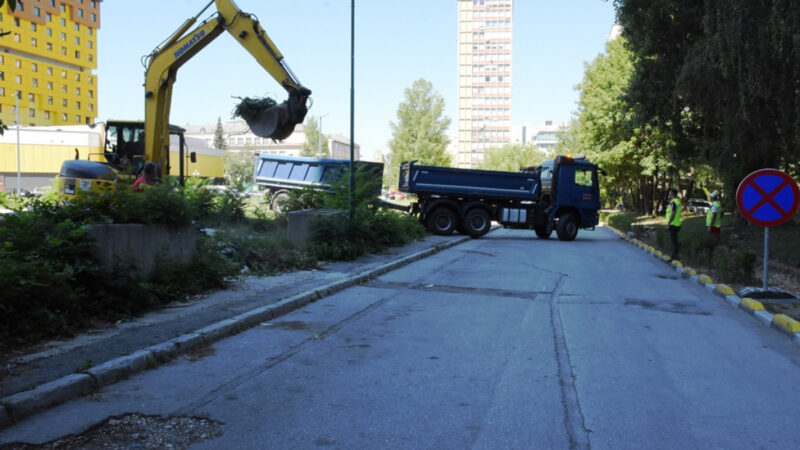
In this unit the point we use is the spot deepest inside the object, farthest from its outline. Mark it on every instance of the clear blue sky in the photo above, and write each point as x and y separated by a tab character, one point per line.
397	42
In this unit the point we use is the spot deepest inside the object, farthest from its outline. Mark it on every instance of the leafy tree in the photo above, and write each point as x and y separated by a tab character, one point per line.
219	136
419	133
512	157
239	167
311	145
720	79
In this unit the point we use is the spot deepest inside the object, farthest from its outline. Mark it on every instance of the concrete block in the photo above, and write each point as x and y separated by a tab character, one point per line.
763	317
299	227
710	287
723	290
733	300
219	330
786	323
750	305
24	404
143	244
119	368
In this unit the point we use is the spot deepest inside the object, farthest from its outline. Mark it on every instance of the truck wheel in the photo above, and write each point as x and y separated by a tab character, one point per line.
567	227
543	231
477	222
277	201
442	221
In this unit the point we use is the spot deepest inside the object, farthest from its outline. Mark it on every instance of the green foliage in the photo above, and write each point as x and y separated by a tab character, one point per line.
312	143
512	157
249	108
11	4
304	198
622	221
239	167
419	133
219	136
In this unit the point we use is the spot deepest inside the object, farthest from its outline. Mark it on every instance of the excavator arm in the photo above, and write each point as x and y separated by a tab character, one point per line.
277	122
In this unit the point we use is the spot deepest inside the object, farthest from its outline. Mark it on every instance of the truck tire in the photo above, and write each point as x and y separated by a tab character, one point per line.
442	221
567	227
277	201
477	222
543	231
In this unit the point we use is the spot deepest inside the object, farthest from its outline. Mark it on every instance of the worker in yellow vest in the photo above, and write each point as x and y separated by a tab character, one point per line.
674	221
714	217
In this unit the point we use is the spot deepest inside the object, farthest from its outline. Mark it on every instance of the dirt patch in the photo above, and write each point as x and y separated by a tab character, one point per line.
135	431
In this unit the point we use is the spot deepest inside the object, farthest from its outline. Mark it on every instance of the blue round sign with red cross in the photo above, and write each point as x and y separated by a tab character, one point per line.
768	197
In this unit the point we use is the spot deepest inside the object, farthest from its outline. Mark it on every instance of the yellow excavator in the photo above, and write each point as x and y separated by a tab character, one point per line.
129	145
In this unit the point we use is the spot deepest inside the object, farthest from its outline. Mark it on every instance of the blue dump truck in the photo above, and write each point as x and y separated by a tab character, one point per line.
278	175
562	194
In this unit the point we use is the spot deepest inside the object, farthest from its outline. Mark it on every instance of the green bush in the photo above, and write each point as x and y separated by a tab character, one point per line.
735	266
620	220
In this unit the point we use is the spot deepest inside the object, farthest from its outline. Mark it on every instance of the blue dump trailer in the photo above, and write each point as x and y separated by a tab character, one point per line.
278	175
562	194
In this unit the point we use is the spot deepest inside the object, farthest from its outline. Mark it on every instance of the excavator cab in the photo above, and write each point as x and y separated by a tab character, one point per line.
278	122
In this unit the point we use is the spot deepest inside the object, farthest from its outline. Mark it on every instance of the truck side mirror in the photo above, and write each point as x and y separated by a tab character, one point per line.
193	157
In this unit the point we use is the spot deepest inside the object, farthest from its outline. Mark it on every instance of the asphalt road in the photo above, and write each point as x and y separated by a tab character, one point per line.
502	342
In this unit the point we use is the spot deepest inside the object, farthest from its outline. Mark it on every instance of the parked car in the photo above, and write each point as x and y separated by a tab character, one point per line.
697	205
12	191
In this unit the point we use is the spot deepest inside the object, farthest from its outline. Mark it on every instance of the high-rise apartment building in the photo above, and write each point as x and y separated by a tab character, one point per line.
484	78
48	61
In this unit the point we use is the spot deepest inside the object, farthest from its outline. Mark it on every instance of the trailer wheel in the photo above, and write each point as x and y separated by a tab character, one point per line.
567	227
477	222
543	231
442	221
277	201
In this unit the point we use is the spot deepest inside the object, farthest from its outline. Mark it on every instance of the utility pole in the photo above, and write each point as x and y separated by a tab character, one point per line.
319	136
19	169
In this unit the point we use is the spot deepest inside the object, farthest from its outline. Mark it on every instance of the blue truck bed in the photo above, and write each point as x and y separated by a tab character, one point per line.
486	184
294	172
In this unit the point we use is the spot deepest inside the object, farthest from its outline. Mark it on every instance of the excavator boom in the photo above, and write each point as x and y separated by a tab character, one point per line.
276	122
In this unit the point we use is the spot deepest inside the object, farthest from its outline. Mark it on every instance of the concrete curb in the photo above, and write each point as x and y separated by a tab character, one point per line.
780	322
24	404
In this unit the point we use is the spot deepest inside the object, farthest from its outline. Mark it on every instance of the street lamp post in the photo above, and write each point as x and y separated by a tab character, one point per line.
19	169
319	136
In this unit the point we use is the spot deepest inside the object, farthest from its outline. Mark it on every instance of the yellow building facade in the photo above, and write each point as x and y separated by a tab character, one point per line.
48	61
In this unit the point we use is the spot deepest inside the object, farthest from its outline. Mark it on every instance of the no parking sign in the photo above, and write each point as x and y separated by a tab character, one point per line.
767	197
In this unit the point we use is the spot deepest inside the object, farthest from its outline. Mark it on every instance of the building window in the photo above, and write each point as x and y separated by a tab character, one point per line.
63	115
16	21
91	58
77	77
33	42
49	100
49	85
31	98
63	36
80	12
89	30
77	54
63	74
16	37
77	105
33	27
64	102
91	80
77	27
63	21
47	115
48	17
18	63
77	91
53	3
37	12
35	82
49	70
2	59
31	112
2	76
2	92
48	31
18	79
34	67
94	17
49	47
63	88
63	50
91	106
89	44
78	118
77	40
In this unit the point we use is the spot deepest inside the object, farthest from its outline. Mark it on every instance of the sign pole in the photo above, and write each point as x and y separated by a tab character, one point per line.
766	258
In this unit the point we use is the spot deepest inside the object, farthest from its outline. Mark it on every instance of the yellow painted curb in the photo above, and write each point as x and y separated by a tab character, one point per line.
752	304
689	271
787	323
704	279
676	264
724	289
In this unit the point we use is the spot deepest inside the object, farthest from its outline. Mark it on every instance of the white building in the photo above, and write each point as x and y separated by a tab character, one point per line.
484	78
543	137
237	136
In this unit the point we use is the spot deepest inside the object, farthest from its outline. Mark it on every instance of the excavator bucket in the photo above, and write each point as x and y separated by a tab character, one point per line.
277	122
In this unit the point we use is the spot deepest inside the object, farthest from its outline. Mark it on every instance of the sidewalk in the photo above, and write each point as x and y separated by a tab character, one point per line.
61	370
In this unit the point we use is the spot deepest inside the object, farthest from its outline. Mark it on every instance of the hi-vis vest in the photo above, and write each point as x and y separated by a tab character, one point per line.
674	204
718	220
